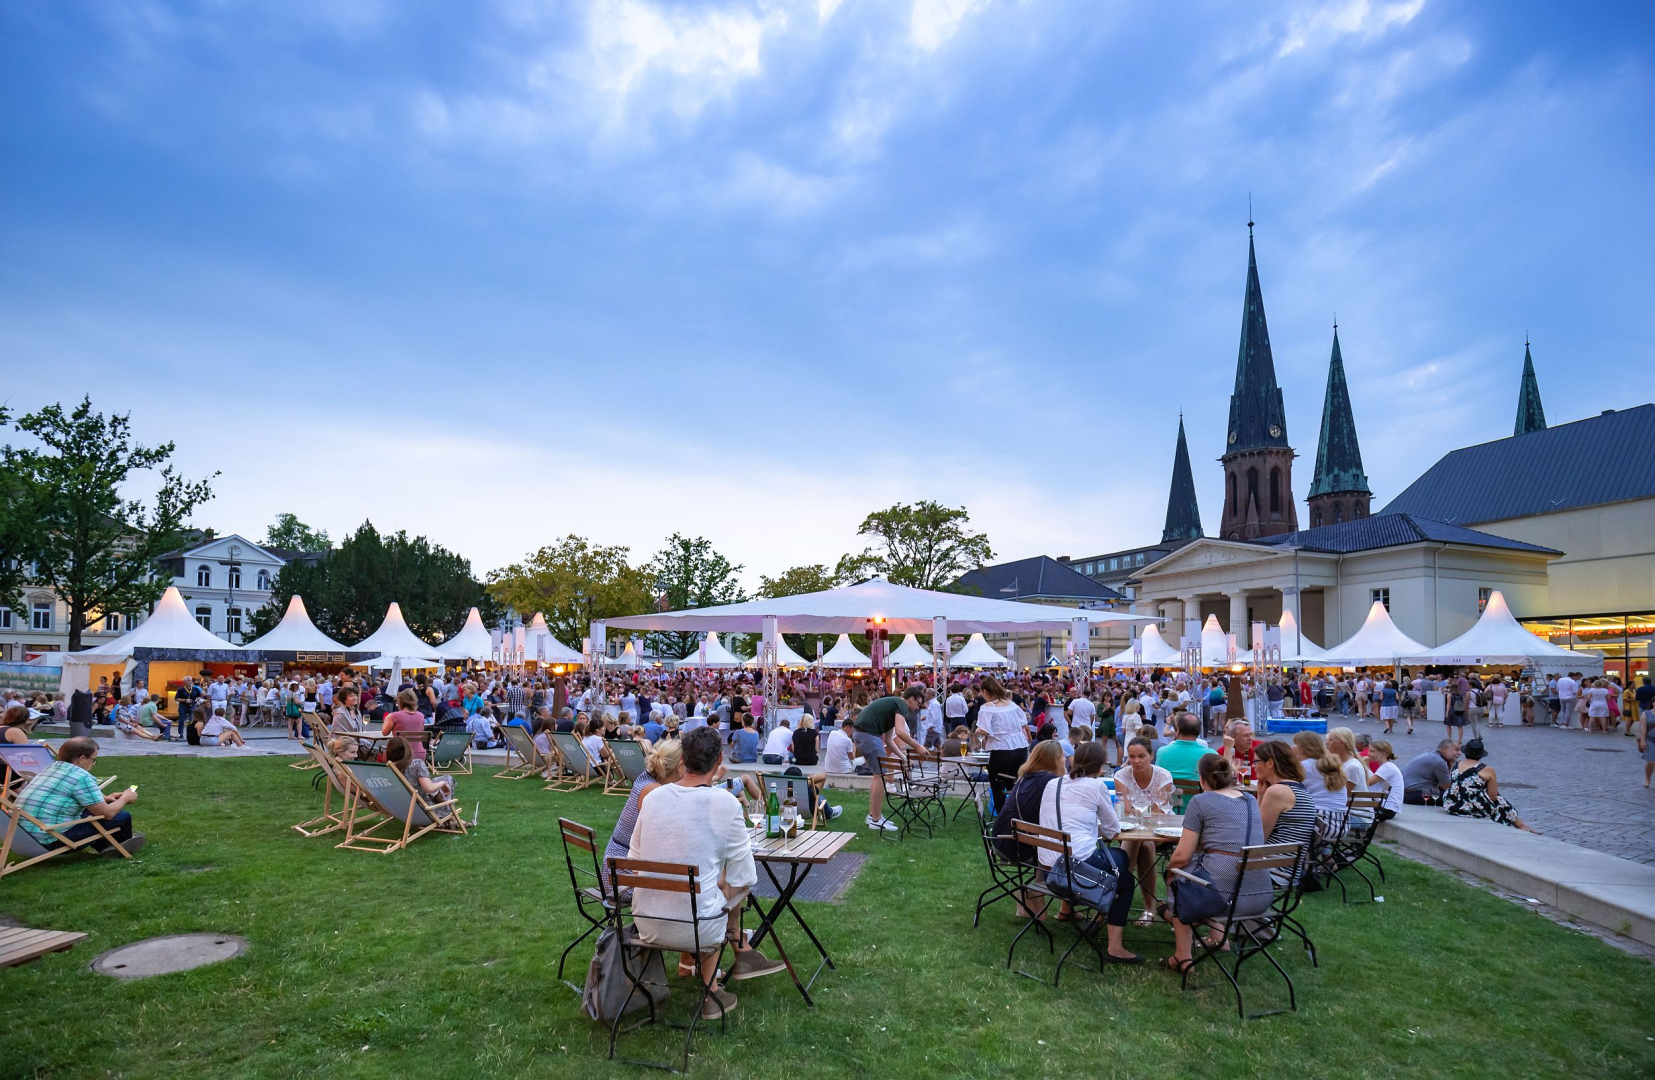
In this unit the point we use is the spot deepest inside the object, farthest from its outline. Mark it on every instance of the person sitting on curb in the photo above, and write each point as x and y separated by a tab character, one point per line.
216	730
67	791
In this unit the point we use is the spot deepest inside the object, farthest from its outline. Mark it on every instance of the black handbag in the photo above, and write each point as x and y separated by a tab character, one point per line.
1082	880
1193	901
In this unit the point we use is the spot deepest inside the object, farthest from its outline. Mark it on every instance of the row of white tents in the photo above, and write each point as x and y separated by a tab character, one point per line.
843	656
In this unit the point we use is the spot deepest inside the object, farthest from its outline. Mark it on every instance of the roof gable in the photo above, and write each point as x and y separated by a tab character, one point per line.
1606	458
1040	575
1393	530
219	547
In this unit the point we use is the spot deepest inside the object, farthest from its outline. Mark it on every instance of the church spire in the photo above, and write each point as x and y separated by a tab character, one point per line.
1257	418
1530	415
1183	511
1339	489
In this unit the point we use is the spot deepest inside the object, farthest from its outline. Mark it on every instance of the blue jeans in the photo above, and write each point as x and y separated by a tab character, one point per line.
120	826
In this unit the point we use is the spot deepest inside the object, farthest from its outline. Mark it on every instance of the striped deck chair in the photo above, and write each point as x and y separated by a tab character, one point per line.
452	753
383	790
575	770
630	763
521	746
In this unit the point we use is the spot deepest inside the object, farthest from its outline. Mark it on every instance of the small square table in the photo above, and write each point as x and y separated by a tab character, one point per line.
800	855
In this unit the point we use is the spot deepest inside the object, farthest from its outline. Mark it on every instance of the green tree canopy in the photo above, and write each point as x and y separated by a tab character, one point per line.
95	548
19	519
348	591
924	545
574	582
689	573
291	534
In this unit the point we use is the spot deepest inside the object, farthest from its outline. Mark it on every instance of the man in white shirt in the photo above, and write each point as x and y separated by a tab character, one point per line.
692	821
930	722
1082	713
839	755
955	708
778	748
218	692
1567	691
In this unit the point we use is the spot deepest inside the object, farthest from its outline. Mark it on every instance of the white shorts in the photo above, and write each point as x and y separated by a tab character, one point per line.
1387	712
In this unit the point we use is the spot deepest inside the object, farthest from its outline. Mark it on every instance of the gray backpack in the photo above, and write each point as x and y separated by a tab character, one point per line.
608	992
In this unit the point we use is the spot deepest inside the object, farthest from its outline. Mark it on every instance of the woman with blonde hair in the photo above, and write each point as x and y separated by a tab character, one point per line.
1324	778
664	765
1341	743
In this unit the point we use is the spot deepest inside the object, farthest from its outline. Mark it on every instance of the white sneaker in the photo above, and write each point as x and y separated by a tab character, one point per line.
883	824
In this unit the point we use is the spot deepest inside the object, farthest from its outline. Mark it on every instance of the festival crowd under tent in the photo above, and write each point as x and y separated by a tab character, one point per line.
540	646
1155	653
1377	644
161	651
910	654
845	655
393	638
717	656
785	657
977	653
472	643
1498	639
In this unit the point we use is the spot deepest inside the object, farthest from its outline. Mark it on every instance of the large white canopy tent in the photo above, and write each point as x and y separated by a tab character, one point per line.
785	657
1215	644
169	626
717	655
397	663
1296	648
473	642
1155	652
845	655
295	633
910	654
538	636
1377	644
848	610
628	660
393	638
1498	638
978	653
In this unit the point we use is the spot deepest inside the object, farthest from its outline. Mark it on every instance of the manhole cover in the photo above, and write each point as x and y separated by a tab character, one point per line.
164	955
1604	750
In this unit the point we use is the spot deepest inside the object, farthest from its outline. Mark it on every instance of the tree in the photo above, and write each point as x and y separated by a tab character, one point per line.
19	519
690	574
291	534
348	591
574	582
96	549
924	545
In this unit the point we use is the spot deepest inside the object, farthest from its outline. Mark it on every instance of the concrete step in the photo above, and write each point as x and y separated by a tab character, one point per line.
1616	895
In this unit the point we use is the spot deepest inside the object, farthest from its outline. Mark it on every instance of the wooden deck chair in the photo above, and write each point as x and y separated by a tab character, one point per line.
452	753
575	770
20	762
337	780
798	787
318	734
383	790
27	847
629	764
521	746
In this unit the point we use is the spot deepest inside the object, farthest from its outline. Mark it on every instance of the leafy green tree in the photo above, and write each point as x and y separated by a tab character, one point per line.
291	534
348	591
574	582
95	548
924	545
19	519
689	573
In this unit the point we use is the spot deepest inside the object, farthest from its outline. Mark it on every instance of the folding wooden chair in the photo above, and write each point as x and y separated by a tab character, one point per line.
1006	878
799	788
20	762
451	753
1352	849
576	770
31	849
630	760
383	790
1246	936
335	779
318	734
908	803
529	760
586	879
1184	791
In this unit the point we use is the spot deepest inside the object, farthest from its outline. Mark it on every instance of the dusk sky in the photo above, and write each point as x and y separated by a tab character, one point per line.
499	272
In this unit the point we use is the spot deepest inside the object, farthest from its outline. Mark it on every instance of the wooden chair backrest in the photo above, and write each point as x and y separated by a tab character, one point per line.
1367	800
660	876
25	759
450	747
1270	857
1055	841
523	745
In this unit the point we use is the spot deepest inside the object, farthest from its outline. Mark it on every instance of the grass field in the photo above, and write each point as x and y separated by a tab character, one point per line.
439	962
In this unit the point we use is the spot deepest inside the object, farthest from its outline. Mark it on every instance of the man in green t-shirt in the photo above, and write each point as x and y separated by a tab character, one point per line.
879	727
149	715
1181	756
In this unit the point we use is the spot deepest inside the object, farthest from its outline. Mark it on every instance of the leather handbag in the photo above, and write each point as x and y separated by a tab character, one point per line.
1082	880
1193	901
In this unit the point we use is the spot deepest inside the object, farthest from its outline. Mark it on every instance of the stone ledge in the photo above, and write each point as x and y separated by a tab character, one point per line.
1616	895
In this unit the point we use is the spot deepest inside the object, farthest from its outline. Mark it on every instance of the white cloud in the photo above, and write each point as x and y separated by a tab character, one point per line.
1328	22
933	22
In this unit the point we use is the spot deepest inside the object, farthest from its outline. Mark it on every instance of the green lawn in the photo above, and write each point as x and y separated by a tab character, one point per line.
439	961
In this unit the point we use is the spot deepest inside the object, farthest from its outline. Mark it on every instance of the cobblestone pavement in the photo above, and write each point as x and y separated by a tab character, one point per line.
1583	788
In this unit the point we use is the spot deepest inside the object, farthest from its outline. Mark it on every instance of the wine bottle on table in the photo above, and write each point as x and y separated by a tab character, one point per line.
772	815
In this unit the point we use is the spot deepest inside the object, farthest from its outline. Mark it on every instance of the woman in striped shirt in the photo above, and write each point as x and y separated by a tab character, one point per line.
1286	810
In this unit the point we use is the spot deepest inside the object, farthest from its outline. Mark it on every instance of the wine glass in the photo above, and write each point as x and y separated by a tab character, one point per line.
1139	798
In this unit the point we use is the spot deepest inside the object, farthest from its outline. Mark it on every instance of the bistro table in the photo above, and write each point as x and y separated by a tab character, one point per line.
800	854
969	765
1145	830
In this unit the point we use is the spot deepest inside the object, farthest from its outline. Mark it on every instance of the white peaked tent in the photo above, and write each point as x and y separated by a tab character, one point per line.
538	636
1156	652
1296	647
909	654
717	656
1215	644
295	633
1378	644
844	655
393	638
848	609
397	663
169	626
977	653
1498	638
471	643
627	660
785	656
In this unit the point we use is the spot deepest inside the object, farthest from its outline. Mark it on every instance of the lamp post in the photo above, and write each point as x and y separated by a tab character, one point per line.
230	600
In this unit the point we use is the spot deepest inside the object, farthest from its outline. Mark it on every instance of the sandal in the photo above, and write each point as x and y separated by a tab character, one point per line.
1172	963
1146	920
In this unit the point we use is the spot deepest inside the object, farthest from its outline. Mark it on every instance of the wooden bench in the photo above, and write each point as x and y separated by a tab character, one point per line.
19	944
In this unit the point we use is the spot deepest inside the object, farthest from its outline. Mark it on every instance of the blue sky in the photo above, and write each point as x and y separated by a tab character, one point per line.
498	272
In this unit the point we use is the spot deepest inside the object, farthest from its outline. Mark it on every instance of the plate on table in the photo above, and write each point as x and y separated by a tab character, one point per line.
1169	832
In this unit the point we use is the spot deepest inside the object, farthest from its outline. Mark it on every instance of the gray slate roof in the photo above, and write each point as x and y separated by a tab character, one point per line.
1041	576
1607	458
1394	530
